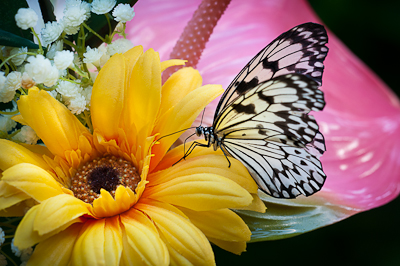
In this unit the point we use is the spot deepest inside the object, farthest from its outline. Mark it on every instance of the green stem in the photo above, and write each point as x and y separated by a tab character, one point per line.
40	45
88	120
71	44
9	113
8	258
8	58
109	24
7	225
93	32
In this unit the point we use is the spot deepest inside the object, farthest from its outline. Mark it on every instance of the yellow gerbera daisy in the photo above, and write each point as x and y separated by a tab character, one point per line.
103	198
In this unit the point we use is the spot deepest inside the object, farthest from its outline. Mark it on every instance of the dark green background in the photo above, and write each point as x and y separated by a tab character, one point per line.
371	29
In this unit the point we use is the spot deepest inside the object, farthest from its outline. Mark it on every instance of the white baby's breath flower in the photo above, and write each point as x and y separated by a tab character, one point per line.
6	124
14	249
26	254
53	93
71	30
68	89
103	6
12	83
27	81
41	70
2	236
123	13
76	104
92	56
63	59
51	32
87	93
3	260
75	14
119	46
57	46
104	58
19	59
26	18
26	135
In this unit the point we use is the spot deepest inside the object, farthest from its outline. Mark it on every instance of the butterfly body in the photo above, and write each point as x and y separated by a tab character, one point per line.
263	120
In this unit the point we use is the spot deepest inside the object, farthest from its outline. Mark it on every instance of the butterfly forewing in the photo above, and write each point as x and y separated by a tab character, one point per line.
299	50
269	130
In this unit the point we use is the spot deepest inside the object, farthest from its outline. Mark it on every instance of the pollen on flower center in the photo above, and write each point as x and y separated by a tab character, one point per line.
103	173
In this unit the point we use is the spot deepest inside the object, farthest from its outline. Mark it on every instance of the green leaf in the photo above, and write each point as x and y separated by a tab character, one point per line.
7	13
287	218
9	39
99	24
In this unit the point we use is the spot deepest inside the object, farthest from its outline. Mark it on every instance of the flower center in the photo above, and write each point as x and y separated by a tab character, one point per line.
103	173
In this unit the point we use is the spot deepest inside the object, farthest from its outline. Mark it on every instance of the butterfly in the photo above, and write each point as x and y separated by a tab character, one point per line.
263	120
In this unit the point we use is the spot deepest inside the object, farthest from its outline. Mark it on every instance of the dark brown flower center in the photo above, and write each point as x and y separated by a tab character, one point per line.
103	173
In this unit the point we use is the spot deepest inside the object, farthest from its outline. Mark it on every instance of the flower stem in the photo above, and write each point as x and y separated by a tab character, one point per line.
8	58
8	258
38	39
93	32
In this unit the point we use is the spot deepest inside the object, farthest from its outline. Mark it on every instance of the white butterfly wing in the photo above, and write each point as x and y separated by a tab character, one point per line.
269	130
300	50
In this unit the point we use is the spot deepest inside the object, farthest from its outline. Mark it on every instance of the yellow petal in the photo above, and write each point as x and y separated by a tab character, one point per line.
108	97
178	86
145	244
56	250
144	93
14	211
257	205
200	192
234	247
26	236
32	180
106	206
12	154
185	242
172	62
177	153
211	163
52	121
182	116
57	212
19	119
10	196
221	224
38	149
113	241
89	247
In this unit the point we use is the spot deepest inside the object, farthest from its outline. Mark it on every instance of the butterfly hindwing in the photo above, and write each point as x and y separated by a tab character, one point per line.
280	170
299	50
269	130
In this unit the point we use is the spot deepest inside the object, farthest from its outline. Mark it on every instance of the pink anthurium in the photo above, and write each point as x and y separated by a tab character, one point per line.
360	121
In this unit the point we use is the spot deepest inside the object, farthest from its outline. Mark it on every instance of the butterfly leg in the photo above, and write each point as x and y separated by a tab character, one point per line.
226	156
191	148
184	148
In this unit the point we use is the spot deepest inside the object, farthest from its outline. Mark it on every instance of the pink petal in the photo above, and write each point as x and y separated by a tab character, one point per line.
362	116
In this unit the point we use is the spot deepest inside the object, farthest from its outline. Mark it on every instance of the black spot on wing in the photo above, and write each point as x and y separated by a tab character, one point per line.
247	109
268	99
244	86
271	65
261	130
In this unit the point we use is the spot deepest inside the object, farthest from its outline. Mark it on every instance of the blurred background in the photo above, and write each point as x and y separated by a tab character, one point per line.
371	29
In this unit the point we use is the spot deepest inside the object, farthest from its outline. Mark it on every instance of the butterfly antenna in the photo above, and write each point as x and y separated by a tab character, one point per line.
174	133
201	121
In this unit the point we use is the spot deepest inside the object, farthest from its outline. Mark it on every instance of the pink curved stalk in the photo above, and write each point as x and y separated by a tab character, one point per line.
361	121
196	34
